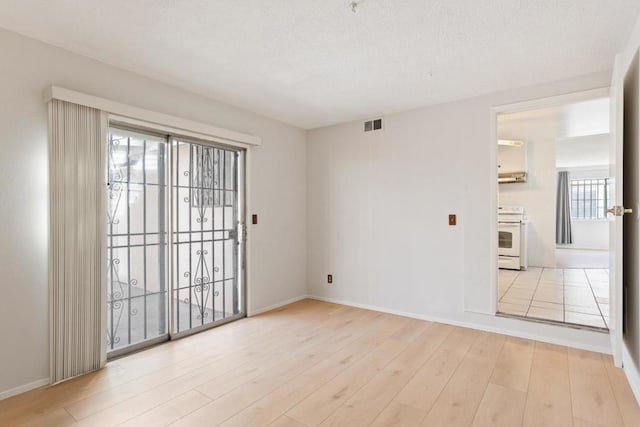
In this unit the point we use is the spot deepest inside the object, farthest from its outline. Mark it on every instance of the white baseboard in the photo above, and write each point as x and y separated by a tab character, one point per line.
481	327
583	248
633	376
23	388
277	305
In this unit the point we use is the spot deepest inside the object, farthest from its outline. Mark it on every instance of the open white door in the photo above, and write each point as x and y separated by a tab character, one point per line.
615	222
624	214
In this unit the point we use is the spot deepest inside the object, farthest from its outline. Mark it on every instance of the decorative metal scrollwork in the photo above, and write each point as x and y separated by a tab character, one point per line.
202	282
116	297
115	182
116	292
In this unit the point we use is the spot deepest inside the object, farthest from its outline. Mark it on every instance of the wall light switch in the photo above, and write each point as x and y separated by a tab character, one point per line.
254	219
452	219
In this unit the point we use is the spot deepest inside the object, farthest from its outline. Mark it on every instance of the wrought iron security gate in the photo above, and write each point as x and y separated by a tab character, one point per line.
136	238
168	277
205	237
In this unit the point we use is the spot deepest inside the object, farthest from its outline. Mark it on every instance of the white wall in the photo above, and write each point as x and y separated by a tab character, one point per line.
590	234
378	206
537	195
580	152
277	193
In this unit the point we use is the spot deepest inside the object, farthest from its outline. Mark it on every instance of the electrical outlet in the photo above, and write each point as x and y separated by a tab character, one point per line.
452	219
329	278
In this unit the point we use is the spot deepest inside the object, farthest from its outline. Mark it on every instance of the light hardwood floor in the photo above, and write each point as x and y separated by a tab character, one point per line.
313	363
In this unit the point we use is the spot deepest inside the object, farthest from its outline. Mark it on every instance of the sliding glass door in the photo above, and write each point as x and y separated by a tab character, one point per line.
174	247
136	238
205	236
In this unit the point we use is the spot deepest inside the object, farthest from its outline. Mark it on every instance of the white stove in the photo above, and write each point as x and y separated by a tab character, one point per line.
512	238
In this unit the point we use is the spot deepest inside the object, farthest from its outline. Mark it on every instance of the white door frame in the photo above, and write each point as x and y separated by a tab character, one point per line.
535	104
615	226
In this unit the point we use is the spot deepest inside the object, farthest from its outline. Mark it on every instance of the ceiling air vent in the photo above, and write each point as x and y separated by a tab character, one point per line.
371	125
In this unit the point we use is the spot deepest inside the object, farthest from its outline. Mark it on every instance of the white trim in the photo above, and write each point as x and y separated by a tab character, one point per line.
177	133
248	237
552	101
493	214
276	305
633	376
23	388
159	120
616	242
582	248
509	332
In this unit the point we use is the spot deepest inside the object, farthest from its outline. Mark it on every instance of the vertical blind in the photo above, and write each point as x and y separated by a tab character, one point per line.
77	254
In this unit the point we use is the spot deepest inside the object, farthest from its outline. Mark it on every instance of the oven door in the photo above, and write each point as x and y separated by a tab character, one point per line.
509	239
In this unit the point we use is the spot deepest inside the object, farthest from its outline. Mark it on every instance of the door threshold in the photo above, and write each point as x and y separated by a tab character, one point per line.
554	322
136	348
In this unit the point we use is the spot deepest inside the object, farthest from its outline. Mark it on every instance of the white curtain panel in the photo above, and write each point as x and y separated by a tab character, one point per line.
77	242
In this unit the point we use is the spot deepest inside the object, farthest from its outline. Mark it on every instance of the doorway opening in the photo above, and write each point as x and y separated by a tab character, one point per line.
553	229
175	248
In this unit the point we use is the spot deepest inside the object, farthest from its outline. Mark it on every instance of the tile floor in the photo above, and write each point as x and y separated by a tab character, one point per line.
578	296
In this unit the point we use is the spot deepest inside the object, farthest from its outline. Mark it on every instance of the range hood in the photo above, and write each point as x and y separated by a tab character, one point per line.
512	177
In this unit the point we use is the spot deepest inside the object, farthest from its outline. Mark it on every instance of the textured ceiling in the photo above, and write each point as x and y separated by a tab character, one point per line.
312	63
